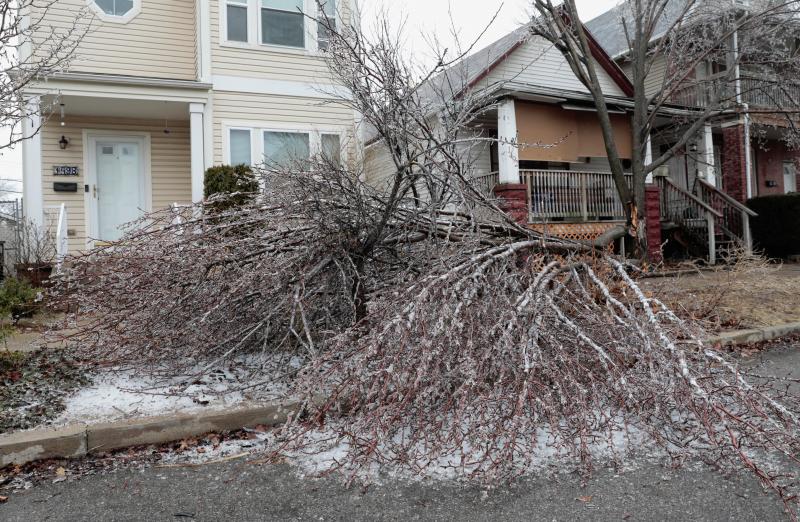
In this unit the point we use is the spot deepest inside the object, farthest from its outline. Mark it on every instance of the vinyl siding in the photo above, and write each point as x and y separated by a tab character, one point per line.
170	165
266	62
655	79
537	62
158	43
278	112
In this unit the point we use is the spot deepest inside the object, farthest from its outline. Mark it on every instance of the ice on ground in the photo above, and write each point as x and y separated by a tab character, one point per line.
121	395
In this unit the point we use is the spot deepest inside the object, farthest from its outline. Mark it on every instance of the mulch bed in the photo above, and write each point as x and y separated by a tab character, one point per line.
33	386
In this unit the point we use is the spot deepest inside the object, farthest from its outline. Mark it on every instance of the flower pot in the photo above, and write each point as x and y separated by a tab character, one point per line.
35	274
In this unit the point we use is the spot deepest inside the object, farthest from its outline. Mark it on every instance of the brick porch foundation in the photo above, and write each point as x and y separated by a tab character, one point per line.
734	162
513	200
652	218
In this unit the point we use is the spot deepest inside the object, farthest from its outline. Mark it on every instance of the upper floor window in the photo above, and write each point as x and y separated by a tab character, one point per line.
283	23
236	16
327	10
121	11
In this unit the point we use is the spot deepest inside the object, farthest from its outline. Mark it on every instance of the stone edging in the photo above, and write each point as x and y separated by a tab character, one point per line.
754	336
80	440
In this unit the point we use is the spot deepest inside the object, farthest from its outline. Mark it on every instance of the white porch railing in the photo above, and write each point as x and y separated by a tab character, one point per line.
564	195
62	237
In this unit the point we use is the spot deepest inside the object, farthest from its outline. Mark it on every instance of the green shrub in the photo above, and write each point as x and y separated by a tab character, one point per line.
776	230
18	298
227	179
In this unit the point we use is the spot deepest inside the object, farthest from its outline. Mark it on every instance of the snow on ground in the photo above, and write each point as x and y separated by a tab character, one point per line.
121	395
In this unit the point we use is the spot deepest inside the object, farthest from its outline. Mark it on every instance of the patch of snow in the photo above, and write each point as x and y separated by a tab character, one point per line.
121	395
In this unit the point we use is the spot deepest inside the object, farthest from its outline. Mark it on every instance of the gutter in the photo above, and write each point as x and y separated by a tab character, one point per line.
130	80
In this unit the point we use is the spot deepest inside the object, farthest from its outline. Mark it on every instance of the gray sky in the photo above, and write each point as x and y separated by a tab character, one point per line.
423	18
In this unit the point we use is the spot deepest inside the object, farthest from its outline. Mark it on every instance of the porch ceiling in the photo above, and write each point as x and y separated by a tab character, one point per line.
117	107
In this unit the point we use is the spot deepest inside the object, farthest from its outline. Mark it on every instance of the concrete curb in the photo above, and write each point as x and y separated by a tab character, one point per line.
80	440
754	336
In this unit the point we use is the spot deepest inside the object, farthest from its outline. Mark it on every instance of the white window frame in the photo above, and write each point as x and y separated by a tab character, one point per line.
257	138
254	32
224	19
124	19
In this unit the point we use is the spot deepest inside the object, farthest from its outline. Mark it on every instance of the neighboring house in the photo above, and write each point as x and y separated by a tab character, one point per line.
567	179
162	90
743	154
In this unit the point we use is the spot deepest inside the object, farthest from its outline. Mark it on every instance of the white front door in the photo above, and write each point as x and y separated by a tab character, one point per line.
118	188
789	177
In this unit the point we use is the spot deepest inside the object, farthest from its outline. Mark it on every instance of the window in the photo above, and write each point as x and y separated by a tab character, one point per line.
331	147
327	9
282	148
240	152
789	177
116	11
115	7
283	23
236	18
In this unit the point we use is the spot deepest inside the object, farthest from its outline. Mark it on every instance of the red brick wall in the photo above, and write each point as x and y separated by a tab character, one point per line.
513	200
770	156
652	212
734	173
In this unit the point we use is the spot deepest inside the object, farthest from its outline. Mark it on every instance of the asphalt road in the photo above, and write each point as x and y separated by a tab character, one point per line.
242	492
238	491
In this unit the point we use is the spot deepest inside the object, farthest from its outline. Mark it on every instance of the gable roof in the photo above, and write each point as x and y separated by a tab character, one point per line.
475	67
609	32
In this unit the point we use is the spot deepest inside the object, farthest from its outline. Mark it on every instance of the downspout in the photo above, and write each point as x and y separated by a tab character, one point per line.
748	160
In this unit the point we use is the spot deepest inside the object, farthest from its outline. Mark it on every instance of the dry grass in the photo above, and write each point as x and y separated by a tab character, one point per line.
748	294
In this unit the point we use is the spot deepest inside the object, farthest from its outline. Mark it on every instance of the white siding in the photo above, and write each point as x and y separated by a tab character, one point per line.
655	79
158	43
537	62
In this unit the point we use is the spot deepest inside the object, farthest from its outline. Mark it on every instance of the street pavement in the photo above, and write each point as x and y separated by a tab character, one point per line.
245	492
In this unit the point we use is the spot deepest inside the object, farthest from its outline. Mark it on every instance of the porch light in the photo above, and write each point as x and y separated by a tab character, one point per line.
63	142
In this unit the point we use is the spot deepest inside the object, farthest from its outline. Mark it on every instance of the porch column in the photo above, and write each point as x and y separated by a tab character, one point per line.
734	163
32	190
708	168
648	158
513	197
508	151
197	131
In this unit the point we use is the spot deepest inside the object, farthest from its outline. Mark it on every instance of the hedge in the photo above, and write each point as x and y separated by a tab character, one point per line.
776	230
230	179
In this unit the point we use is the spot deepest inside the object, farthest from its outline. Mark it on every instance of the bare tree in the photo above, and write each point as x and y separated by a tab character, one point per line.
33	47
670	45
431	330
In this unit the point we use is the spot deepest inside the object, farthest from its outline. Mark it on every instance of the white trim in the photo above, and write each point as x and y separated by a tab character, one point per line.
123	19
32	184
279	87
197	148
90	139
204	39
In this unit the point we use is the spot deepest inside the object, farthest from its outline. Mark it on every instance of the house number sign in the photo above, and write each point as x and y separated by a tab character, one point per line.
65	170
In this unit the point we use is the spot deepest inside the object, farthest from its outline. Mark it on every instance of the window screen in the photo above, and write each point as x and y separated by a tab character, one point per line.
283	23
282	148
237	21
240	147
328	9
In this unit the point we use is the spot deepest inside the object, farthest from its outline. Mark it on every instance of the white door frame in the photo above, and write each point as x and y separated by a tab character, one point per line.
90	139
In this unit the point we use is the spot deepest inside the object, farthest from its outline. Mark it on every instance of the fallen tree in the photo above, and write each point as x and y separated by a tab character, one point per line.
422	327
